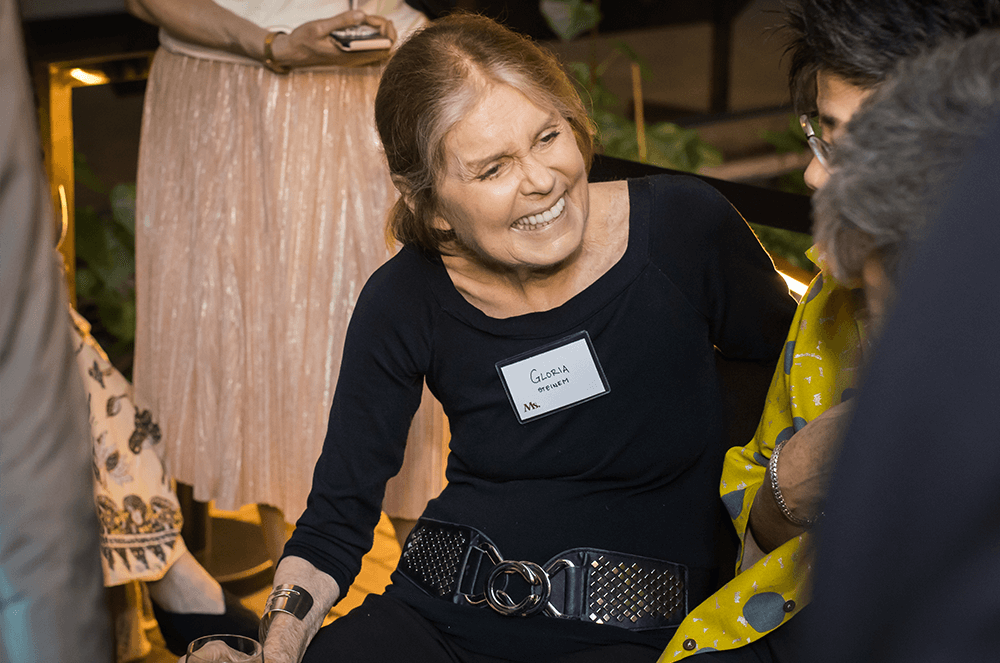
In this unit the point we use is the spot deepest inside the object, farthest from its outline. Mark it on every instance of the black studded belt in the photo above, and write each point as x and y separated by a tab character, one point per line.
460	564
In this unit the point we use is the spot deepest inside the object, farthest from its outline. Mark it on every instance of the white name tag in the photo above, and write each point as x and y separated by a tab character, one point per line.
553	377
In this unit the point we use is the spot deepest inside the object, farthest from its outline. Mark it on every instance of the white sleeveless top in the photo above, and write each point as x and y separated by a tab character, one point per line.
286	15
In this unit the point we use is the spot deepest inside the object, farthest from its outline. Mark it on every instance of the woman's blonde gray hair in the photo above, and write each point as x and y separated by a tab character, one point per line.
432	81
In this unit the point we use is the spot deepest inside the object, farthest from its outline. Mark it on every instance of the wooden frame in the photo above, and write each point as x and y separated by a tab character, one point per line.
55	96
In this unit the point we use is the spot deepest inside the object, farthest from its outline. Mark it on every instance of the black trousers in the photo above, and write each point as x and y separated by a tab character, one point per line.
384	630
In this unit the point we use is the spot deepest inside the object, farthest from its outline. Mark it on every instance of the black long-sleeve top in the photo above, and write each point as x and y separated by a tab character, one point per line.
635	470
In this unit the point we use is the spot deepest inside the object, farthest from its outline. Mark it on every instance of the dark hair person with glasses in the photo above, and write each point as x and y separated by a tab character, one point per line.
902	152
911	208
840	52
820	148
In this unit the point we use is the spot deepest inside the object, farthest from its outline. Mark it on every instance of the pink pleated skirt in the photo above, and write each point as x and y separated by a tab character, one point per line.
260	213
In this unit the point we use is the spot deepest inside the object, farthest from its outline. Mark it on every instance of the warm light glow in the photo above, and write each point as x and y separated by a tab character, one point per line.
64	211
796	286
88	77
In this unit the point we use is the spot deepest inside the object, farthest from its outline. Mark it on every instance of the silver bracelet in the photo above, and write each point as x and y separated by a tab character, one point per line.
289	599
772	469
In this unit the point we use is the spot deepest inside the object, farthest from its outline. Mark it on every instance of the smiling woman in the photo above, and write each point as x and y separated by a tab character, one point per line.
502	146
510	201
570	330
520	214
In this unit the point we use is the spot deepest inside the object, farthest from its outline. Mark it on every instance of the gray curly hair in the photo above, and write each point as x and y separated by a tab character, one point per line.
892	170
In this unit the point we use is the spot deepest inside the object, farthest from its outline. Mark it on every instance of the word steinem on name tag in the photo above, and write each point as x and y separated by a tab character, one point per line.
553	377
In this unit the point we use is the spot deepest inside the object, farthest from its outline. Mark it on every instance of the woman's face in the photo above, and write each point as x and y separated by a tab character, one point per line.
514	186
837	101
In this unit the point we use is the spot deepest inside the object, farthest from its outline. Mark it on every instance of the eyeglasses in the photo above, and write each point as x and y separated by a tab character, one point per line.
820	148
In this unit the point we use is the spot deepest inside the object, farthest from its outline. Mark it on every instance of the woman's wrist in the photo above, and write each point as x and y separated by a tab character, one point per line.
768	524
788	510
286	640
272	59
289	599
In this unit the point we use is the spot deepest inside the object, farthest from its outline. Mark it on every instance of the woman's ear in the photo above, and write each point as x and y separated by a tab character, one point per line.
407	196
438	222
404	190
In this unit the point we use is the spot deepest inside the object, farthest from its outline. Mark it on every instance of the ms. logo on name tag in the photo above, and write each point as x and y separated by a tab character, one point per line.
553	377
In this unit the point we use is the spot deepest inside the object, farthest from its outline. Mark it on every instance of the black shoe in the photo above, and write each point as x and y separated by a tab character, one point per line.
179	629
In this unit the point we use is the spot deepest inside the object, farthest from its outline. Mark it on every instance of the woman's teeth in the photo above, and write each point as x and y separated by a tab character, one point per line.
535	220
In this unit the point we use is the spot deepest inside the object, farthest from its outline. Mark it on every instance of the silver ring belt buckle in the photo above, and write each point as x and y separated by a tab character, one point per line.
460	564
539	582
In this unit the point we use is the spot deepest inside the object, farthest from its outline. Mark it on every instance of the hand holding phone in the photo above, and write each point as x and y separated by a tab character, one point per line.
360	38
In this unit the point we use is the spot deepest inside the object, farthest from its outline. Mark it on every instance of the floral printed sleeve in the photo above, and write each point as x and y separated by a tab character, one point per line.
134	496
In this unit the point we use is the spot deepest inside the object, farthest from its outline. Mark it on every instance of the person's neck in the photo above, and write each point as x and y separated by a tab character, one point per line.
502	291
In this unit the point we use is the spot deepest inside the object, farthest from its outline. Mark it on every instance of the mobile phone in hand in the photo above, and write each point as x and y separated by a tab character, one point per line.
360	38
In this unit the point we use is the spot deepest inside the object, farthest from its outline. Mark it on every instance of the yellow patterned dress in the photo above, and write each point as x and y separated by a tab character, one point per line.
818	370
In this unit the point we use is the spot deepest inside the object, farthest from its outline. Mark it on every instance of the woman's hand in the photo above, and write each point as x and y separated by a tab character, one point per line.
289	636
310	44
217	652
804	467
205	23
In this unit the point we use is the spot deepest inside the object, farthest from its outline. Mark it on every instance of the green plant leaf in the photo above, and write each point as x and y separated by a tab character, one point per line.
87	282
794	182
595	95
616	135
123	245
105	251
789	244
570	18
667	144
790	140
123	207
601	67
781	141
108	257
672	146
580	72
603	99
84	174
117	315
92	244
633	56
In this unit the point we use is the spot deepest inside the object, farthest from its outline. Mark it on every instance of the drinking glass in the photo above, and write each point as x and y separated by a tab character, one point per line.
225	649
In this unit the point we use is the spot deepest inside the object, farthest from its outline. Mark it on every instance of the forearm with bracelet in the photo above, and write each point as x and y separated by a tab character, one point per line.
289	599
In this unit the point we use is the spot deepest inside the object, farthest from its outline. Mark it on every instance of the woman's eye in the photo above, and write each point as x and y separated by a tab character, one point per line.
549	137
491	173
825	132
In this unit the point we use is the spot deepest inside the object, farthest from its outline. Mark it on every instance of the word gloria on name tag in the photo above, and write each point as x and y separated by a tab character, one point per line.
553	377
